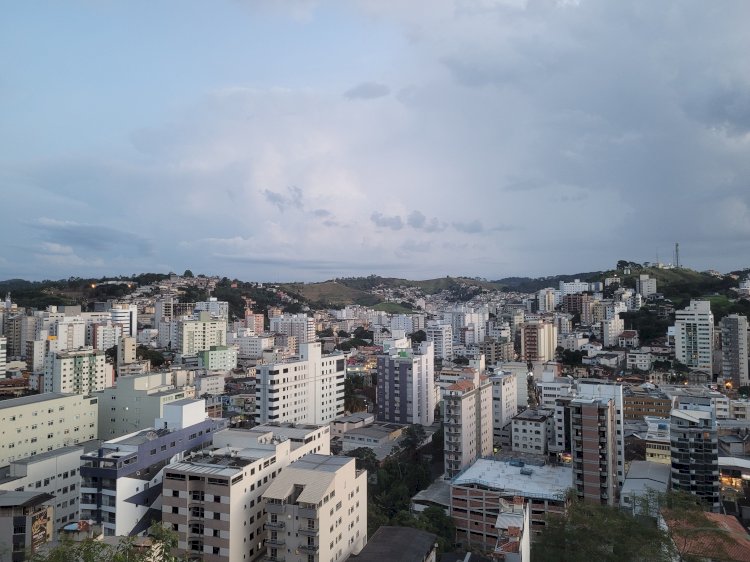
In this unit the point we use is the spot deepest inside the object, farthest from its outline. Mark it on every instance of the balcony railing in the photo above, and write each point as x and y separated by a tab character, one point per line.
312	548
309	532
278	541
275	525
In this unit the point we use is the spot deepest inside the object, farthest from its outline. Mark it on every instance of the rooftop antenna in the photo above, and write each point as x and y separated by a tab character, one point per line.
677	255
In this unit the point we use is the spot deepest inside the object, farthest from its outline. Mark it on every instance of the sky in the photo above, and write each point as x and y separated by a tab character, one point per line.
297	140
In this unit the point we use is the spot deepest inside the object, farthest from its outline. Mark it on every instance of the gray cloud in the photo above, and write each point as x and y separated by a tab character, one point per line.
64	236
393	222
367	91
472	227
283	202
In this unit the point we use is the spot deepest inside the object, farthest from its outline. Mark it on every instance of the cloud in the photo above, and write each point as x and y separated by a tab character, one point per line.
393	222
472	227
367	91
67	234
284	202
420	222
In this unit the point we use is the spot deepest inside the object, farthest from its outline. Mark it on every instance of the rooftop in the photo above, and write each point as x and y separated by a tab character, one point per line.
397	543
550	482
23	499
315	473
33	399
644	476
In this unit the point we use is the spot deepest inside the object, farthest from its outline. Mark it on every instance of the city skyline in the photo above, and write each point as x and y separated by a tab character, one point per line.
304	140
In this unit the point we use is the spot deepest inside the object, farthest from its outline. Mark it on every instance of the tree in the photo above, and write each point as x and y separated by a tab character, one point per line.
188	273
366	459
327	333
343	334
418	337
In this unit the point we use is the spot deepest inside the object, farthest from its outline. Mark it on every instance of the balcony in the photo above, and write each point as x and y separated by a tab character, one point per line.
275	525
277	558
306	512
309	531
278	541
310	548
276	508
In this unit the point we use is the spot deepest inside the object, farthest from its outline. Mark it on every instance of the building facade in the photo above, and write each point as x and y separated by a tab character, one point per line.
694	335
406	385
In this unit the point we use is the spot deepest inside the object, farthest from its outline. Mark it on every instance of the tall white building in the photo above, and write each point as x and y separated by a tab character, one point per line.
301	326
504	401
70	332
441	336
611	330
126	315
694	335
645	286
547	299
538	341
3	355
78	372
406	385
317	510
305	389
573	287
216	308
104	335
734	344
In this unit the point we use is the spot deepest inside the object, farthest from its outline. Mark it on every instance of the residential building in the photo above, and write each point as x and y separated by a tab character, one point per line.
321	503
594	455
532	430
38	423
26	523
658	448
573	287
476	495
304	389
645	286
695	455
468	421
496	351
299	326
538	341
76	372
126	350
104	335
137	401
218	358
122	480
3	355
694	335
216	308
612	328
126	315
209	493
53	472
381	437
198	335
504	401
441	335
640	402
406	385
643	483
734	349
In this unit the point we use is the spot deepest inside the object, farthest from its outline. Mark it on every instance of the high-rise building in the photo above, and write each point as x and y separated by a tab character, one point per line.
212	492
104	335
122	479
734	349
317	510
199	335
538	341
694	335
504	401
126	351
406	385
3	355
78	372
440	333
300	326
547	299
594	455
126	315
694	445
645	286
468	421
305	389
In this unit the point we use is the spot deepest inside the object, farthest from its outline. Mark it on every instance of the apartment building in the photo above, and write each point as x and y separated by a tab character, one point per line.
406	385
594	454
317	510
468	421
538	341
299	326
476	493
137	401
26	523
441	335
126	315
694	335
307	389
504	401
694	445
35	424
532	430
220	489
734	349
198	335
83	371
122	479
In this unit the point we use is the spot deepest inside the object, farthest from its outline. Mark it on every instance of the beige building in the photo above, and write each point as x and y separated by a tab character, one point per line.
76	372
468	422
199	335
532	430
317	510
222	488
538	340
31	425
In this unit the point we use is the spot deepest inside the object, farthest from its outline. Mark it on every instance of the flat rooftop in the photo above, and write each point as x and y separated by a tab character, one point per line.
33	399
547	482
644	476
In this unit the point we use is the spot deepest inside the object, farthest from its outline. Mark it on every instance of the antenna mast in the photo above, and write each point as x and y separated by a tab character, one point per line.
677	255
